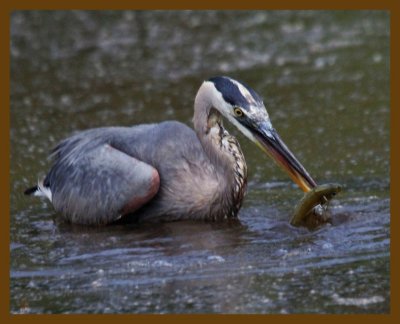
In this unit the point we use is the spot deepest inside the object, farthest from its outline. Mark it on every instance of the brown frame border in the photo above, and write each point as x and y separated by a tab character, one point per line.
6	7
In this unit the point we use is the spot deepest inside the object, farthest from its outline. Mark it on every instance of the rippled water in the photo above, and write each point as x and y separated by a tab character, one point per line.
324	77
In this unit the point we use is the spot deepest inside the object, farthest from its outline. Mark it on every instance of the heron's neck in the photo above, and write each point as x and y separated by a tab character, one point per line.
209	129
222	149
211	137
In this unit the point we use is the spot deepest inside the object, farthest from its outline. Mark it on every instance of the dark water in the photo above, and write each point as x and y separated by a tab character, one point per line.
324	77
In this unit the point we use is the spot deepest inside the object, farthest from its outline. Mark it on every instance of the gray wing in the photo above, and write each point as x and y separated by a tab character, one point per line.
92	182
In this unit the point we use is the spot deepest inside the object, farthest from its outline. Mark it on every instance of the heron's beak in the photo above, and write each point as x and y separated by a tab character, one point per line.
269	141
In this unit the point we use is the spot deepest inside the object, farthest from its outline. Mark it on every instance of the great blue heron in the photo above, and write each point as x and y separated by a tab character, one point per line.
166	171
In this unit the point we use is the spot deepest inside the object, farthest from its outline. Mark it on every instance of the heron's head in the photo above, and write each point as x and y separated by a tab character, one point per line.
245	109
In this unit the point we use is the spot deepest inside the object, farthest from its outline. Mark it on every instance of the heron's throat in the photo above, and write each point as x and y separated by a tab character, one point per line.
222	149
227	158
213	136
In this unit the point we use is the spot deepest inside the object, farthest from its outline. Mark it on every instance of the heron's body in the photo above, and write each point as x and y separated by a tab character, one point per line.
181	178
166	171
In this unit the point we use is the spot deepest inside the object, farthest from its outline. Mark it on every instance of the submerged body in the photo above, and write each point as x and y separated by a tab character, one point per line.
166	171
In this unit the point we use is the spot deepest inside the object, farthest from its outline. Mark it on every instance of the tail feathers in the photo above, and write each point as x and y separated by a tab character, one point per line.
31	190
39	190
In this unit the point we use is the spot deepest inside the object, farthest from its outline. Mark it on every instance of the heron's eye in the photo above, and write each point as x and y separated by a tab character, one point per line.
238	112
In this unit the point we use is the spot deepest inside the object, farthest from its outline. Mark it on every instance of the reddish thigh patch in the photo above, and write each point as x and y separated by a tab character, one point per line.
138	201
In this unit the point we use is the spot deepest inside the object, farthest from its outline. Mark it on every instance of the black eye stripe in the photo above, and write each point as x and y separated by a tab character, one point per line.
232	94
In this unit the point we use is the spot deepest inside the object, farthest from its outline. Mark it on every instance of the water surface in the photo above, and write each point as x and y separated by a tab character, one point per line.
324	77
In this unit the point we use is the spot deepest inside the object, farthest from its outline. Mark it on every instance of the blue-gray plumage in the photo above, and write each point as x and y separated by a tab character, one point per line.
166	171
